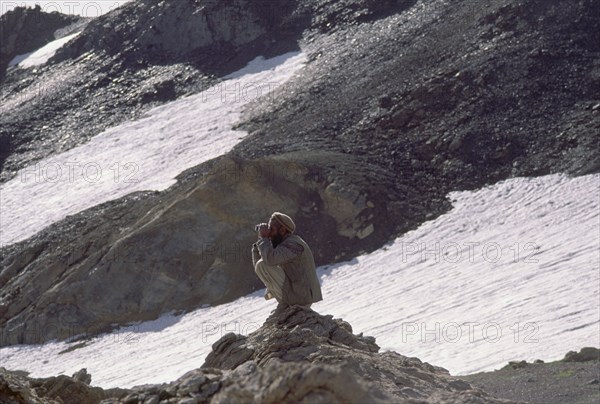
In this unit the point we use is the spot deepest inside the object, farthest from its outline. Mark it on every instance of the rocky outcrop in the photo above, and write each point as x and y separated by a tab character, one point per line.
17	388
209	32
300	356
169	32
586	354
23	30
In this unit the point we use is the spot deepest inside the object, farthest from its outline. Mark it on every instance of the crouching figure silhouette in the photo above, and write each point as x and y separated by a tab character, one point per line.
285	264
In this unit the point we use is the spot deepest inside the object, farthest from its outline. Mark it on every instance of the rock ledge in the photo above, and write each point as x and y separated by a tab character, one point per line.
301	356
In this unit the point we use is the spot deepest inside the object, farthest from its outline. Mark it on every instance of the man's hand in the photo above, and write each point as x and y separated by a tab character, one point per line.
264	230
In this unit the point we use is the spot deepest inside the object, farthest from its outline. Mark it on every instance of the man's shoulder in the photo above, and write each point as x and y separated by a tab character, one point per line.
294	238
294	243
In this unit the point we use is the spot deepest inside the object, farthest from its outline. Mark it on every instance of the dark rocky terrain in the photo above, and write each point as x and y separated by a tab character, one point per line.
17	388
22	31
575	380
400	103
25	30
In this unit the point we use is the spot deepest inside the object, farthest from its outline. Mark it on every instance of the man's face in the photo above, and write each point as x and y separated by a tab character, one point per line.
275	233
273	229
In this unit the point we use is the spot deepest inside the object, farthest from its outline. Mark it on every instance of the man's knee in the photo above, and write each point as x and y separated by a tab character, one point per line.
259	267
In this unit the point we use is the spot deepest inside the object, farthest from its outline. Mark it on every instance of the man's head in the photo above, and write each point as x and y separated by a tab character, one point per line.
280	225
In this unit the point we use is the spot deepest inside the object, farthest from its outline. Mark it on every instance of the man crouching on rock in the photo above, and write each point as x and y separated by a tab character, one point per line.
285	264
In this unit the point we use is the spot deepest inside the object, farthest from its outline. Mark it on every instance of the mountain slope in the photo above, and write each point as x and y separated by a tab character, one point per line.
400	103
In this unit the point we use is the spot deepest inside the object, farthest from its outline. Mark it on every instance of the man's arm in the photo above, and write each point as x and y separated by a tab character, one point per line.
284	252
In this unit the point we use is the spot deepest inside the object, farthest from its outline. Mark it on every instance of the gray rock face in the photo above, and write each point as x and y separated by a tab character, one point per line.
300	356
82	376
24	30
584	355
168	30
199	29
17	388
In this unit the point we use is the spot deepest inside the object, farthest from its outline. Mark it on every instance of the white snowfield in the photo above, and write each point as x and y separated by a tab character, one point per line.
146	154
42	55
511	273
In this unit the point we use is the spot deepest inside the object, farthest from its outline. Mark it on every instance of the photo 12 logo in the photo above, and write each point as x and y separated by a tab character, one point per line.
453	332
213	330
91	172
236	92
469	251
84	8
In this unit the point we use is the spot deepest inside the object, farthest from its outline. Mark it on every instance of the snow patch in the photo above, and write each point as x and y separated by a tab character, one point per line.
42	55
146	154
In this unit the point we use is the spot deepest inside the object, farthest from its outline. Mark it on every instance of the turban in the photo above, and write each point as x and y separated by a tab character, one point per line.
284	220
